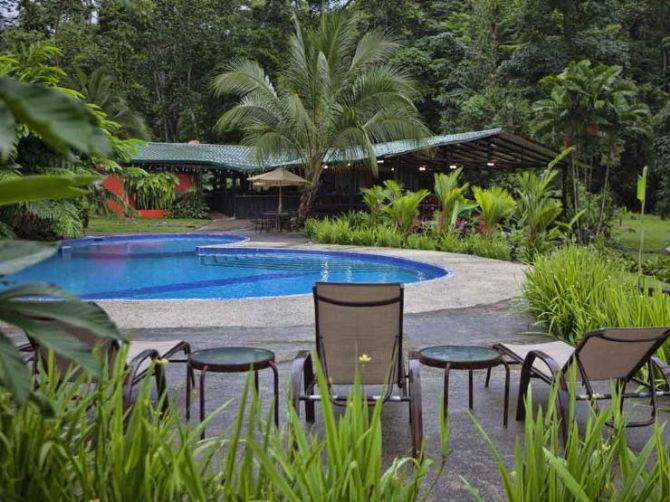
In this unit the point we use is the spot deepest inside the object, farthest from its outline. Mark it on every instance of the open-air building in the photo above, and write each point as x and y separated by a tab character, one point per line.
411	163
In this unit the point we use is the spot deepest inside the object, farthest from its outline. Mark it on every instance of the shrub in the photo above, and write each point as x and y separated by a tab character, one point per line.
96	450
150	190
578	289
658	267
422	241
495	204
388	237
404	210
363	237
495	247
189	204
586	467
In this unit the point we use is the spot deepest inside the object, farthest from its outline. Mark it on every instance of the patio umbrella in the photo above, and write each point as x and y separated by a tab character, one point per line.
278	178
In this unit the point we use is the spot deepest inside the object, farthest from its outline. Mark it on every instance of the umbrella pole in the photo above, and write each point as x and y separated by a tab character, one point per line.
279	207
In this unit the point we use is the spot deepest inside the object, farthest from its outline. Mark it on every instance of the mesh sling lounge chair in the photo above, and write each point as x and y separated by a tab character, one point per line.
139	356
360	321
611	354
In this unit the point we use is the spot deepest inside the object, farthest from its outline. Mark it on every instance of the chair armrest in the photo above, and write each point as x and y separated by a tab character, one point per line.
133	370
527	366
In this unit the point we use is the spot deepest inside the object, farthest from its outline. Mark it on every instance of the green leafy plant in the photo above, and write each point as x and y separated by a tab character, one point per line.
451	197
596	464
375	199
96	449
19	308
189	204
150	190
495	204
404	210
58	119
642	197
577	289
537	207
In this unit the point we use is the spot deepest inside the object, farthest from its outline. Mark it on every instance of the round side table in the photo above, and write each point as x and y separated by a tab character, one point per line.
230	360
464	357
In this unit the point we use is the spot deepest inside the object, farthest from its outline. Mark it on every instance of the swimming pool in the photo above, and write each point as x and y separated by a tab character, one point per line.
177	266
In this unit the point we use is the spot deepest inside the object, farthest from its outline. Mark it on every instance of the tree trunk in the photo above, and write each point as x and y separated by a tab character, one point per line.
601	214
307	198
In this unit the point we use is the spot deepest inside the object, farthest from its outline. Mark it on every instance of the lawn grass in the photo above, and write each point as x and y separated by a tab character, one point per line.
656	233
117	225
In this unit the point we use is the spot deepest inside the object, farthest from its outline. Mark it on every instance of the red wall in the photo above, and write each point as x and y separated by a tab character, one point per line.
114	184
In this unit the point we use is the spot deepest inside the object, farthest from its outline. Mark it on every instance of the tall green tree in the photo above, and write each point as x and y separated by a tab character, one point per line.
338	94
590	107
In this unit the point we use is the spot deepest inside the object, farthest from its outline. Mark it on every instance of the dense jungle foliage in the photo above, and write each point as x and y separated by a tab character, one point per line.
478	63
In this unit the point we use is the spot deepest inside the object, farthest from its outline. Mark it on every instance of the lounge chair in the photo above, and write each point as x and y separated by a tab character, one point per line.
360	325
139	356
603	355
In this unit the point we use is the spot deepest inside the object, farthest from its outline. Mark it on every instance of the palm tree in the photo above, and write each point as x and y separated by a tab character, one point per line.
337	96
99	88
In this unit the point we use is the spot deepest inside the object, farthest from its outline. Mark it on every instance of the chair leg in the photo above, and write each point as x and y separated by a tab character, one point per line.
488	377
523	390
563	399
415	405
161	387
308	378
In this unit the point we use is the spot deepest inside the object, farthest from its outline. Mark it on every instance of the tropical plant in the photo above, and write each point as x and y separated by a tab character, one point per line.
338	96
590	107
147	453
451	197
596	464
98	88
149	190
189	204
63	124
577	289
31	152
495	204
537	207
375	199
642	197
404	210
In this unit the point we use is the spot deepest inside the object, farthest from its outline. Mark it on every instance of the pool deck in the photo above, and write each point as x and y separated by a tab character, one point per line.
472	281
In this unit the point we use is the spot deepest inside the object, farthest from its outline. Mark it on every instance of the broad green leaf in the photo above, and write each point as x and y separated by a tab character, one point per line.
642	186
65	308
60	120
7	131
17	255
50	321
14	372
43	187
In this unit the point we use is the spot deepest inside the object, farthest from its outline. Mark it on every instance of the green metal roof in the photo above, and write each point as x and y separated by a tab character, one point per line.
491	146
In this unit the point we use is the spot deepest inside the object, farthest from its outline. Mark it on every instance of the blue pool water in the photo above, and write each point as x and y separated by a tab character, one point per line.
185	266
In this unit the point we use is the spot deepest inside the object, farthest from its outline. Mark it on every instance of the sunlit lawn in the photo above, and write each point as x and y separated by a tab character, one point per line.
656	233
112	225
